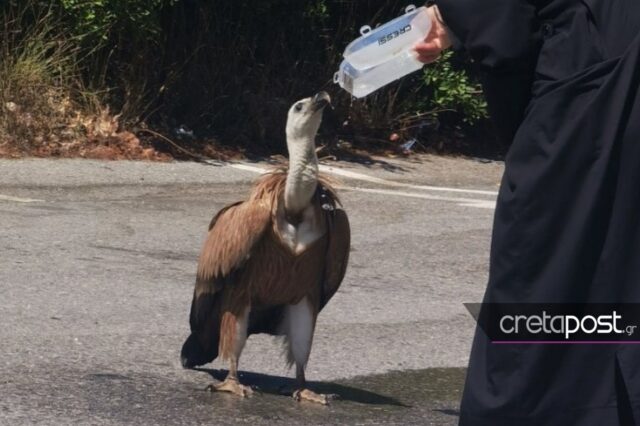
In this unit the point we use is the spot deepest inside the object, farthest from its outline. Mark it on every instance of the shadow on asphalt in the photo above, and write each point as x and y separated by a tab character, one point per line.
278	385
410	397
143	396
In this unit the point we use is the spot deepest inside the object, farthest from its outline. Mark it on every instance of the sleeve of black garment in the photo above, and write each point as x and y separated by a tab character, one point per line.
502	38
499	34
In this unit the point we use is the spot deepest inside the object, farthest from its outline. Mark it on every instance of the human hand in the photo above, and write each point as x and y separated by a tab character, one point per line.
436	41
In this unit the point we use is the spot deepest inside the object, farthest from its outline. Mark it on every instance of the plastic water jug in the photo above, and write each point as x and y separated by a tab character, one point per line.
384	54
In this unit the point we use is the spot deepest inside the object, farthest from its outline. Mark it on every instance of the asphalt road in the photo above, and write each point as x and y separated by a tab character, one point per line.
97	263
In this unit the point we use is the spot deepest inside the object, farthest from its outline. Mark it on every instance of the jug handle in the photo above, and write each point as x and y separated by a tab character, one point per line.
365	29
410	8
336	77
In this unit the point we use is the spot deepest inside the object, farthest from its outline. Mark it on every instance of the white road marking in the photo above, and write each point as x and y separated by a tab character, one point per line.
480	204
19	200
372	179
465	202
248	168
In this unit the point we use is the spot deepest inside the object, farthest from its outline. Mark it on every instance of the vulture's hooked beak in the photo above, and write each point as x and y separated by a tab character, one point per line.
321	100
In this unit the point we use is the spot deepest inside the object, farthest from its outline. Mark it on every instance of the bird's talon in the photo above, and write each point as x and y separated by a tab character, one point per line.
231	386
307	395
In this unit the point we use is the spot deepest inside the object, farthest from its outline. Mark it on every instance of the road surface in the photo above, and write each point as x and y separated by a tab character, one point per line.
96	275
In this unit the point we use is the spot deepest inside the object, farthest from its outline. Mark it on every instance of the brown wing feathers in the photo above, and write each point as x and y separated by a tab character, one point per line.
231	238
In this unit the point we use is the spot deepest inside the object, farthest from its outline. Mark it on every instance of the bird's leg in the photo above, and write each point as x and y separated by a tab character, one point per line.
303	394
233	335
231	383
300	319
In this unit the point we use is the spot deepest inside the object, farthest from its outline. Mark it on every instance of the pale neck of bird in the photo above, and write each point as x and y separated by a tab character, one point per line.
302	177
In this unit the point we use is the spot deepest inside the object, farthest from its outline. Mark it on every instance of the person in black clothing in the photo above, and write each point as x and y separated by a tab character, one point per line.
562	80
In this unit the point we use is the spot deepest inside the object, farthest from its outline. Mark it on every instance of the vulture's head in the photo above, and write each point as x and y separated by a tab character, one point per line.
305	117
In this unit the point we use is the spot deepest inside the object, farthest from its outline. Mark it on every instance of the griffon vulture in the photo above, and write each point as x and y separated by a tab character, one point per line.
271	263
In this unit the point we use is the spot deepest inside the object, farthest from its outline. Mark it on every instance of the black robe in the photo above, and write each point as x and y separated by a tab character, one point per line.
562	80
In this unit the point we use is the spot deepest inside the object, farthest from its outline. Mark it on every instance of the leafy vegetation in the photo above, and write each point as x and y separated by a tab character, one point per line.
226	69
452	89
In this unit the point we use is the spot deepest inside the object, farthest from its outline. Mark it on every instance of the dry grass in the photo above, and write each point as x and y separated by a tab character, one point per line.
36	81
44	108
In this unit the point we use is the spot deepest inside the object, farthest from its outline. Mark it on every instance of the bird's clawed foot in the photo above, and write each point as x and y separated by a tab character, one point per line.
232	386
318	398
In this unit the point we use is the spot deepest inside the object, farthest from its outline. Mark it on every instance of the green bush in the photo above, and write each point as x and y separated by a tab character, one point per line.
96	21
229	69
452	89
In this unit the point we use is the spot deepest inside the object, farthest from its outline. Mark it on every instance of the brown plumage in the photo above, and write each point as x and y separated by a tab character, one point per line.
266	268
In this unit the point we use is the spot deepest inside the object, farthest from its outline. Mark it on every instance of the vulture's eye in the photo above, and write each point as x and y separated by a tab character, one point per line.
298	107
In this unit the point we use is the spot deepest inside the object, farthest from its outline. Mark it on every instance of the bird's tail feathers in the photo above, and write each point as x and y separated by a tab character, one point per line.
194	354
